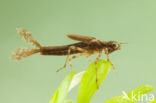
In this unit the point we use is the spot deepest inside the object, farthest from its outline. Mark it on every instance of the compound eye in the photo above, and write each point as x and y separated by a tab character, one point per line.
115	45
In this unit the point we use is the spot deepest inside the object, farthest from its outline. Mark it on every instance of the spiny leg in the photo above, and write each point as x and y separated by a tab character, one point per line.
69	51
81	54
74	57
107	54
96	69
87	56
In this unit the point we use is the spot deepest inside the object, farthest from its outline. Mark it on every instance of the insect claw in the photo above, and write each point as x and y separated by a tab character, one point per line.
114	68
61	68
112	65
97	84
58	70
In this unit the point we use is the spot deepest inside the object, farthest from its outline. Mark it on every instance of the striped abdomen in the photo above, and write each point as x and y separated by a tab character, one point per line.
62	50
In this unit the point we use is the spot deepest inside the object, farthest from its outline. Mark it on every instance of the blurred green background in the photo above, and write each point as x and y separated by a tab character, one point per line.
34	80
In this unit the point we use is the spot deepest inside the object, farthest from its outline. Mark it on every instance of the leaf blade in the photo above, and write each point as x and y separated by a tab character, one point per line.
138	92
61	93
88	85
154	101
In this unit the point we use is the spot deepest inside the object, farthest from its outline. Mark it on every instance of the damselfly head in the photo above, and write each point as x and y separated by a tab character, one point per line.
114	45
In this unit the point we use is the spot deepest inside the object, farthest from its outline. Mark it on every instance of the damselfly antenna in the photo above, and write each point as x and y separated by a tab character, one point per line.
123	43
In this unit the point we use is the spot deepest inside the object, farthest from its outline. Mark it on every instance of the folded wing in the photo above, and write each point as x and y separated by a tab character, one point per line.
77	37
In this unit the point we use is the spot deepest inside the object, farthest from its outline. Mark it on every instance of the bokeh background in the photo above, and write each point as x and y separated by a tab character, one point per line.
34	80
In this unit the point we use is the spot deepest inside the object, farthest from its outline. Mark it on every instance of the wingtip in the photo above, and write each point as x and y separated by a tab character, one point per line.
72	35
68	35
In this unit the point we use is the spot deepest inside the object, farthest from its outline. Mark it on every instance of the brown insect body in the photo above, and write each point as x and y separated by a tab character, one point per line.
62	50
87	46
92	48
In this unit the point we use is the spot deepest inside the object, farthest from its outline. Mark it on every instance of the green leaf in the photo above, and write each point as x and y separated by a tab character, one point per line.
133	96
68	101
76	80
153	101
88	85
61	93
